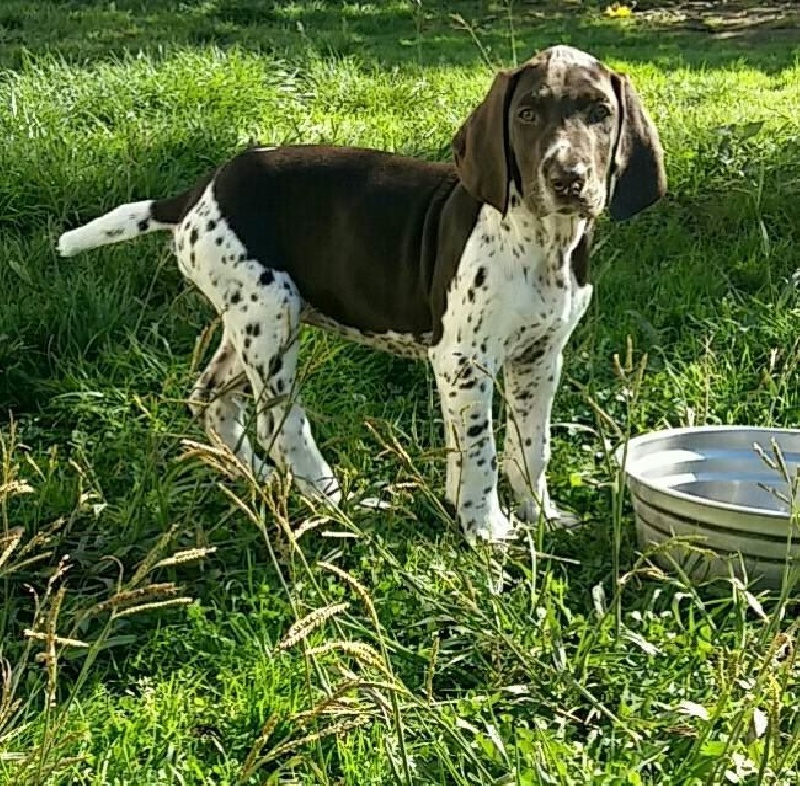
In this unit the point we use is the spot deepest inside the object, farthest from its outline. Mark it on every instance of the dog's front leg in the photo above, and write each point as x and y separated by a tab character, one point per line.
465	386
530	386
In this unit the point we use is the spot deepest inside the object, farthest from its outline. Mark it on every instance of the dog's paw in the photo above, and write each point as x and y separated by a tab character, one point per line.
492	527
530	511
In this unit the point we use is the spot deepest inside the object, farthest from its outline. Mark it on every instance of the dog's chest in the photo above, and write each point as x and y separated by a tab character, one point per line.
514	287
549	304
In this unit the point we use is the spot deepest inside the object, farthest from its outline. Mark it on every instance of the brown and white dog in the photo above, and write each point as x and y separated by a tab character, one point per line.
480	266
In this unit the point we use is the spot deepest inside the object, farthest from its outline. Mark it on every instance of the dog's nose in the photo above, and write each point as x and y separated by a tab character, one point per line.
568	181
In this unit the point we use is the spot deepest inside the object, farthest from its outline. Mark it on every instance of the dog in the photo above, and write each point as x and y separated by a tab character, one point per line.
481	265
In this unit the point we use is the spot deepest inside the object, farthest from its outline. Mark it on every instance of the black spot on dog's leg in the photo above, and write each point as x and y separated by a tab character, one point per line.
477	429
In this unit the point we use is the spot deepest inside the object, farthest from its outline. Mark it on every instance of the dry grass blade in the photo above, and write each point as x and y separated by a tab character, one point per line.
41	540
648	572
337	729
203	341
390	444
32	772
604	417
152	557
308	624
13	488
59	640
213	456
189	555
222	459
359	589
464	25
779	495
155	606
339	703
250	764
217	456
339	708
780	458
8	704
623	370
249	512
762	454
364	595
362	652
432	668
10	542
128	597
311	524
49	655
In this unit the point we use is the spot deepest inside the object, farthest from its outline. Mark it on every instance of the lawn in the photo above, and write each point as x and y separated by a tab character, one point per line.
164	623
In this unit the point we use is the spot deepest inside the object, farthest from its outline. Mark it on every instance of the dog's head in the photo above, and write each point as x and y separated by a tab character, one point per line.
569	133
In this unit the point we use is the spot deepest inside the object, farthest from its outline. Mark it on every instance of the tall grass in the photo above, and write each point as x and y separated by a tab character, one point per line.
166	619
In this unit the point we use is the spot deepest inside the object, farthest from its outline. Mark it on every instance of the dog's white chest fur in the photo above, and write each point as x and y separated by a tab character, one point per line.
514	285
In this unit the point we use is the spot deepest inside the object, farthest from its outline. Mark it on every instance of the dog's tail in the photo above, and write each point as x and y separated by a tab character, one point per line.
126	222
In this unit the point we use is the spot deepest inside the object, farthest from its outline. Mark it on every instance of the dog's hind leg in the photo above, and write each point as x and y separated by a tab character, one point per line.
217	397
267	341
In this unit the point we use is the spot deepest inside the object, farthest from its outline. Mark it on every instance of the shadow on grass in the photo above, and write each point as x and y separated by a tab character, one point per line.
400	33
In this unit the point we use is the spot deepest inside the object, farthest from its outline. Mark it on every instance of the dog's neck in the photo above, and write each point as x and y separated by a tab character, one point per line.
543	242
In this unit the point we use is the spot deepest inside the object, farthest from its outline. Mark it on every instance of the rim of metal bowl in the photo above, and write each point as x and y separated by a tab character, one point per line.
653	436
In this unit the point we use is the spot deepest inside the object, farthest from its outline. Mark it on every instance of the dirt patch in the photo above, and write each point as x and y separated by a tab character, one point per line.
724	18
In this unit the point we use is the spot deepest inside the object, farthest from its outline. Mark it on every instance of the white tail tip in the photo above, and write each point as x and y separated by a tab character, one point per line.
122	223
68	245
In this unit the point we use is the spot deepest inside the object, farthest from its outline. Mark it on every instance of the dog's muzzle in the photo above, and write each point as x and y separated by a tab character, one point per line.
572	189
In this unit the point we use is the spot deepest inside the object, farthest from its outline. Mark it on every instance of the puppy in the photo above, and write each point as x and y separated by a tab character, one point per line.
480	265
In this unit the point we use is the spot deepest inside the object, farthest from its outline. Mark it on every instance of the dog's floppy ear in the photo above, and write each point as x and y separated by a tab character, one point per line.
481	148
639	178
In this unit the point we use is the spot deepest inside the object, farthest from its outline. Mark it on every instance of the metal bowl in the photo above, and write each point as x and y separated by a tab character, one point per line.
710	483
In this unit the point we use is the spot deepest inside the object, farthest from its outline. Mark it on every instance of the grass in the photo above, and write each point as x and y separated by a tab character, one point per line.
591	665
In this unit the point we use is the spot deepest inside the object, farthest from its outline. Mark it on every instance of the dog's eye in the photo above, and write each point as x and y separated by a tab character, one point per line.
598	113
527	114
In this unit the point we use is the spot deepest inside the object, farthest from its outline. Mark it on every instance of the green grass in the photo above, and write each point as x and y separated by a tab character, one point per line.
567	676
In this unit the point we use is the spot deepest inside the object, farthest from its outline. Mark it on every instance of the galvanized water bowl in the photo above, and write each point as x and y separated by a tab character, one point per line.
711	484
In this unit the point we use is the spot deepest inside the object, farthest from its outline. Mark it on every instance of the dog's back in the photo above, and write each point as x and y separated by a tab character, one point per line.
357	230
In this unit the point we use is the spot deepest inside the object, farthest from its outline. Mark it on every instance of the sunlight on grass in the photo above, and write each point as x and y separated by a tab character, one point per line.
275	642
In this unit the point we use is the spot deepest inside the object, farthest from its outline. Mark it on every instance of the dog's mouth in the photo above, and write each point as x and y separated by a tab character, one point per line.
583	208
586	205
